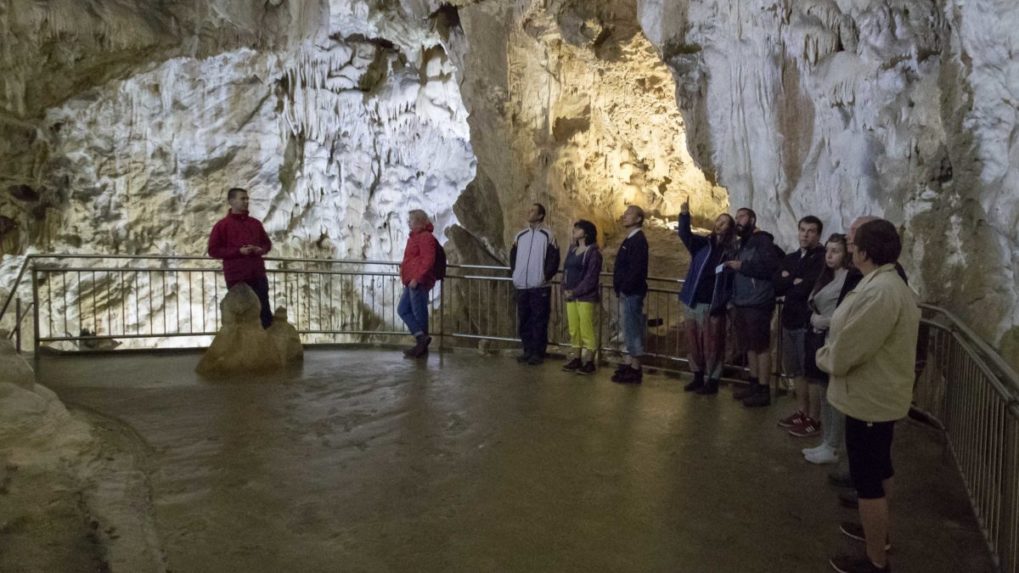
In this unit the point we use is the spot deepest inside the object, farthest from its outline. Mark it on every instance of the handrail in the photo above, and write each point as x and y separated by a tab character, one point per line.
1005	370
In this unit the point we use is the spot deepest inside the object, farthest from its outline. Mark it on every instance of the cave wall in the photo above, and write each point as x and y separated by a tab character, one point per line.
905	109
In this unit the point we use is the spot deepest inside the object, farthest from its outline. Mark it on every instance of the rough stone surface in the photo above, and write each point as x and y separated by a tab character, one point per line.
903	109
242	345
288	341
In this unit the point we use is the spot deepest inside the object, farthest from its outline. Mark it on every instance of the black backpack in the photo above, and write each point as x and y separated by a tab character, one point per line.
439	266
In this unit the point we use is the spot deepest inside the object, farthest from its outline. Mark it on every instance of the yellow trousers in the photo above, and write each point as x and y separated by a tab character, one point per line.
580	318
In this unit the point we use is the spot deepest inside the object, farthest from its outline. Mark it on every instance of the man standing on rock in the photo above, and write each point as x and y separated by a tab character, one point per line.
753	299
241	242
534	260
629	281
418	277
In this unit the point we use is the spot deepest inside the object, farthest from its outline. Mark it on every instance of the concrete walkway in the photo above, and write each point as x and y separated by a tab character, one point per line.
360	460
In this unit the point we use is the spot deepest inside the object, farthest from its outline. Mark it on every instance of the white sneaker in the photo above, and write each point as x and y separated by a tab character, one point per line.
825	456
815	449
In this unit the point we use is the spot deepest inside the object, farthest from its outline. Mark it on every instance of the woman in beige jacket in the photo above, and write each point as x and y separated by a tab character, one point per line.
869	356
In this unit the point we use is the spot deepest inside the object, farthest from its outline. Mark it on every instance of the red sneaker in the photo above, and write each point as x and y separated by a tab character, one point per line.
792	421
809	428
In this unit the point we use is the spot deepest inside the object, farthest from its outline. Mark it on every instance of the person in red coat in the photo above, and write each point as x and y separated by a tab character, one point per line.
418	277
240	241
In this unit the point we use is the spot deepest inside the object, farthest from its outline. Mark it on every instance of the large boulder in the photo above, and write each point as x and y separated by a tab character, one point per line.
241	345
287	340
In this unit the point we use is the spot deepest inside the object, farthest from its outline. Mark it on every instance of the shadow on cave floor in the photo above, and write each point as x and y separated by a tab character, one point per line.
362	461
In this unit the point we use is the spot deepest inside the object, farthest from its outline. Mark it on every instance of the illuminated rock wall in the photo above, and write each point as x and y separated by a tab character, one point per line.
903	109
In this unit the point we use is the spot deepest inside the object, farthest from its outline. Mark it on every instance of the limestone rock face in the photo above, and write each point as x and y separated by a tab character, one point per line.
902	109
241	345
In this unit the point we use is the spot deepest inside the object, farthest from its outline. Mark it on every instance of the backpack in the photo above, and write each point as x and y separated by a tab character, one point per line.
439	266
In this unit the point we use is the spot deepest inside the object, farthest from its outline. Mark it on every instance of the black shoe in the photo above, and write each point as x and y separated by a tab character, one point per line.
745	393
587	368
629	376
840	479
710	388
849	499
621	368
572	365
696	384
760	398
523	358
855	564
854	530
535	360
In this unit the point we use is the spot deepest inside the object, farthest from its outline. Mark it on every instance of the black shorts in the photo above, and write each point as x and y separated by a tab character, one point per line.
813	342
752	325
869	448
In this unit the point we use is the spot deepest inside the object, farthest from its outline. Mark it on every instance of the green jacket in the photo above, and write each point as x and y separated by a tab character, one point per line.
871	349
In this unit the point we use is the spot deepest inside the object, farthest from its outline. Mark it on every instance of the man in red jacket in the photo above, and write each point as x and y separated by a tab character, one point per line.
241	241
418	277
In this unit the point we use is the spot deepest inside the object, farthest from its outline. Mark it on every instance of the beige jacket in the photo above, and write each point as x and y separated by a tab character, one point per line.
871	349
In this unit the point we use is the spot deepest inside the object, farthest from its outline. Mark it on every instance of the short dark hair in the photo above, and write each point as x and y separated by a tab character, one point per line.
590	231
749	211
234	191
541	210
880	240
812	220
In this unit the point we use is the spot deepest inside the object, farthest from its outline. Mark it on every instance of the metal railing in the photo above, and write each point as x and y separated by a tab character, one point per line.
973	395
964	386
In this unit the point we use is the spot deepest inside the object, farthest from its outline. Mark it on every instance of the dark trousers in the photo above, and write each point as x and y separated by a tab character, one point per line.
534	305
261	288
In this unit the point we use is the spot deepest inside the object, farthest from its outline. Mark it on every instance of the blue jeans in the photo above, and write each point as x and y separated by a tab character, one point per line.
634	323
413	309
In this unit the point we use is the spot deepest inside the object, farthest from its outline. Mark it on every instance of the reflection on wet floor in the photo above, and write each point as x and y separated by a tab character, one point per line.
359	460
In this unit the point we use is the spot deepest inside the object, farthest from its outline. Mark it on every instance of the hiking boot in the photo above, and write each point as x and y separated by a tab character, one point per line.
710	388
572	365
696	384
793	420
822	456
856	564
420	349
809	428
535	360
523	358
849	499
760	398
587	368
854	530
629	376
840	479
620	368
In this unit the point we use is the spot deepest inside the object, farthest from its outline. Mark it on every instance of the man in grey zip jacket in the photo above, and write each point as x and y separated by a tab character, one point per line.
534	260
753	299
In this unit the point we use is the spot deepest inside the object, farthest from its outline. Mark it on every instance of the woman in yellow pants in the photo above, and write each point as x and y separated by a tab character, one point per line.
581	273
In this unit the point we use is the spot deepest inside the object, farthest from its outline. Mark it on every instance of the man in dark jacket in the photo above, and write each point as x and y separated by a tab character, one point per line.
753	300
795	281
240	241
418	278
629	281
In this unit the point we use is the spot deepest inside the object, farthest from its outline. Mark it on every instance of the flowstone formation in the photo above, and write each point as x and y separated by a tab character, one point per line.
902	109
122	125
288	341
241	346
572	107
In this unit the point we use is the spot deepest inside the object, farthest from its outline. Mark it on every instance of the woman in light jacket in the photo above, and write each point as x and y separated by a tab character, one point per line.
581	281
870	356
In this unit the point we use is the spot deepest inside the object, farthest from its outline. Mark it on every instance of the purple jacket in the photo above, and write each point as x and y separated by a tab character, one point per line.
583	277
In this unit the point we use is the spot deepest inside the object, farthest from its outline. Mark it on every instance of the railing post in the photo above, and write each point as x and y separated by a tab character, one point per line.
17	325
35	313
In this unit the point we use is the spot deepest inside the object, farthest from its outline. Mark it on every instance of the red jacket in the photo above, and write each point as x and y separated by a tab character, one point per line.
228	236
419	258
